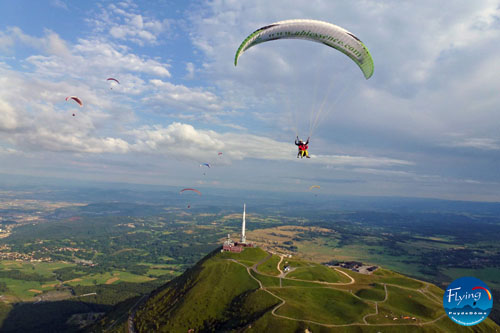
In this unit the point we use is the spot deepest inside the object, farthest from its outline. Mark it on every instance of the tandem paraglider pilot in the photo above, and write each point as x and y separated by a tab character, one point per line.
303	146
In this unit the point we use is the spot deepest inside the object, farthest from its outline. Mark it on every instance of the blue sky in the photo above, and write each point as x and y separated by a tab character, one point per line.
425	125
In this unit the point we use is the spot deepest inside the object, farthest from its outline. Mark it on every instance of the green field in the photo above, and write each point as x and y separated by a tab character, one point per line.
248	263
294	283
34	278
375	292
489	275
107	278
317	273
42	268
259	301
398	279
405	302
319	250
270	266
249	255
267	281
323	305
160	272
21	288
293	263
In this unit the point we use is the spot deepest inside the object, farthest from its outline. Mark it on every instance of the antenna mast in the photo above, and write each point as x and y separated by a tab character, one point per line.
243	237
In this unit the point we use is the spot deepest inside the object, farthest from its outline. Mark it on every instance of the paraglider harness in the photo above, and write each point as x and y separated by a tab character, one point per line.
302	148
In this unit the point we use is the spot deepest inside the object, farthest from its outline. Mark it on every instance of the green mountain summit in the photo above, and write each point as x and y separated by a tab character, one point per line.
256	291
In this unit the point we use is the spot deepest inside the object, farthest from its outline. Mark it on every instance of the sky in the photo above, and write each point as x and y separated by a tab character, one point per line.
426	124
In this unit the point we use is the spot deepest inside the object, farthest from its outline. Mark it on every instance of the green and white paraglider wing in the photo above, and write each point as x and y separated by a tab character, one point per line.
316	31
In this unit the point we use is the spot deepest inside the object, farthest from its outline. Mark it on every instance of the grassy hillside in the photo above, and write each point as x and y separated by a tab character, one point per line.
270	266
249	257
317	273
211	296
324	305
374	293
224	293
266	280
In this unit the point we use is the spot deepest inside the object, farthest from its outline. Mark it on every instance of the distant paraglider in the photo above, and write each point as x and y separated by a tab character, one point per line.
113	80
314	187
76	99
206	165
190	189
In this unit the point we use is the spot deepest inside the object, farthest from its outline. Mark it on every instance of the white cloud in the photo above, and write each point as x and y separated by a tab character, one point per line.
6	41
382	172
81	142
425	70
127	24
99	56
59	4
8	117
50	42
359	161
190	69
476	143
182	97
105	55
430	78
42	122
8	151
95	54
35	117
183	140
436	72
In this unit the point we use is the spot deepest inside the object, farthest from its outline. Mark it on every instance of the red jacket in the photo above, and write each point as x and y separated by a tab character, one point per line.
303	147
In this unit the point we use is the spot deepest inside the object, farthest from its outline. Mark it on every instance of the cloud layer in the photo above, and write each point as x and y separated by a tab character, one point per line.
427	119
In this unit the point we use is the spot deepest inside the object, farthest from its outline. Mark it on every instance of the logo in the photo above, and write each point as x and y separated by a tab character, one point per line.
467	301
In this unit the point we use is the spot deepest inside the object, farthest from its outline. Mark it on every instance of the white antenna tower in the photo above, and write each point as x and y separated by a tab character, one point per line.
243	237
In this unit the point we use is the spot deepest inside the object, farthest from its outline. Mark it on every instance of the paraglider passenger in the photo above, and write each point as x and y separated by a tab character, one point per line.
303	146
300	144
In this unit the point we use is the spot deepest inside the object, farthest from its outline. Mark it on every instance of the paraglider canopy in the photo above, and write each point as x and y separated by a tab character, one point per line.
112	79
190	189
314	186
205	164
76	99
317	31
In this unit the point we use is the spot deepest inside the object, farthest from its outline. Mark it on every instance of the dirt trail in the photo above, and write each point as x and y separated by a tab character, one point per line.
376	306
110	281
278	267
